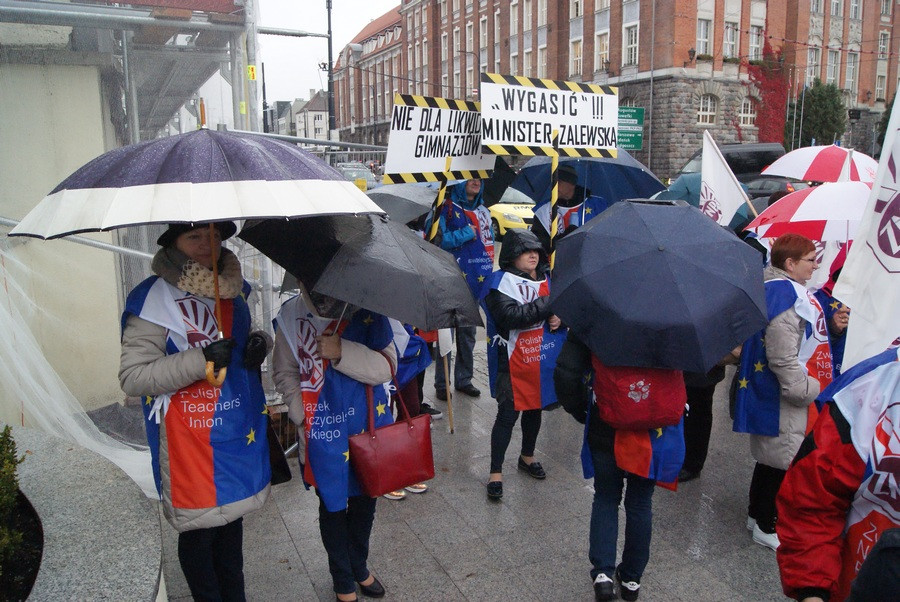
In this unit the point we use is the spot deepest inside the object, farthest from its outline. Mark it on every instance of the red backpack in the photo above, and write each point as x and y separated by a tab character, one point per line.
638	398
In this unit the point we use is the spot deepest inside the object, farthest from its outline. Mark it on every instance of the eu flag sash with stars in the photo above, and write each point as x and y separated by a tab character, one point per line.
829	306
576	216
476	257
215	437
334	404
532	351
758	399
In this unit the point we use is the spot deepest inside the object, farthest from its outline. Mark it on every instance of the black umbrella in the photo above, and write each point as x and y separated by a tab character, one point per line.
404	202
658	284
371	262
501	177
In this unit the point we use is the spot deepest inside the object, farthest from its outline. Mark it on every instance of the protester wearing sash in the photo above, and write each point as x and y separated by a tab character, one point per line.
783	368
208	443
575	207
516	302
840	494
322	366
464	229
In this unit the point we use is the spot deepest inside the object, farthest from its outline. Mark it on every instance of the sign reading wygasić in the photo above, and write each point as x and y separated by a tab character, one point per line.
520	115
425	131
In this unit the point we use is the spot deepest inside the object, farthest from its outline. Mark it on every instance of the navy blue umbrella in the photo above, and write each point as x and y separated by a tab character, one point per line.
658	284
613	179
200	176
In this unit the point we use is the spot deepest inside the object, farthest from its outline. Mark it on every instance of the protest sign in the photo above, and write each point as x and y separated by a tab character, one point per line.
521	114
425	131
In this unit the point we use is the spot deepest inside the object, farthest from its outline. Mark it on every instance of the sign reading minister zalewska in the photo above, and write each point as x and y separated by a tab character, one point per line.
521	115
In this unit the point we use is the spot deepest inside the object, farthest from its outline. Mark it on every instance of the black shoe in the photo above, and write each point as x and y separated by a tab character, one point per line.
686	475
604	588
629	590
373	590
495	490
535	470
435	413
469	390
440	394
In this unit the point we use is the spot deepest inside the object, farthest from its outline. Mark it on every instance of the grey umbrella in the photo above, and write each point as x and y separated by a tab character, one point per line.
371	262
404	202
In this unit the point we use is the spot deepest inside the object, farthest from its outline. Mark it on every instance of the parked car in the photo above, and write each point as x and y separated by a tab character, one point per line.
745	160
515	209
764	186
356	172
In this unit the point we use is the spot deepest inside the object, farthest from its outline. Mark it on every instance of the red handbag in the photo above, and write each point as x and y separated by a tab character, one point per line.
394	456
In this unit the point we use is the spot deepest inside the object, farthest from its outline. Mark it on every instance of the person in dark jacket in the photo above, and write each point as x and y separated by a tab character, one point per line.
575	206
611	463
517	302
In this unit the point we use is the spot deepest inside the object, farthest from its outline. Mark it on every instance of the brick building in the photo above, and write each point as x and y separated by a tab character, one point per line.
684	61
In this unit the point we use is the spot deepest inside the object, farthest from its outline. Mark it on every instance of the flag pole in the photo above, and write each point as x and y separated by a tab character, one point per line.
439	202
447	389
554	196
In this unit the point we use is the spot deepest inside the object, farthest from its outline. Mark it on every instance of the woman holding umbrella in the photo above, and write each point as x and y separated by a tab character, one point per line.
783	368
327	367
208	442
517	304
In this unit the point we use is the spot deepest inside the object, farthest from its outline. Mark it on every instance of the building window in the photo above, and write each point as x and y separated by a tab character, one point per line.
628	102
756	42
457	86
526	66
455	41
575	58
483	32
834	64
443	9
886	7
455	5
496	26
526	14
470	36
514	64
883	41
470	81
813	64
542	13
748	112
837	8
706	114
730	41
443	46
704	31
601	50
631	45
880	83
497	63
574	9
854	9
601	5
815	6
542	61
445	88
513	18
424	53
850	73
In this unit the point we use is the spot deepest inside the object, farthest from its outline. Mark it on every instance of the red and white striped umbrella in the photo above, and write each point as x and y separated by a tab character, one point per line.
824	164
827	212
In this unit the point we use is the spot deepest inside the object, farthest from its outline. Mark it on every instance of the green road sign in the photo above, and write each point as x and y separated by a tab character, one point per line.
631	128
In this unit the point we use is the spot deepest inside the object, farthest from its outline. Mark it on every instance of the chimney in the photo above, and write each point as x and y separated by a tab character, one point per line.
312	93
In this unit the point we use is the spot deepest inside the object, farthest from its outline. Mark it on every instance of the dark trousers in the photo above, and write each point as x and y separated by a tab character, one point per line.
465	362
697	426
212	561
409	396
506	419
345	534
763	490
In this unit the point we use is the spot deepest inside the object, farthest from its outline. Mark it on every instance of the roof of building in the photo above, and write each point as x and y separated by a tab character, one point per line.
387	21
319	102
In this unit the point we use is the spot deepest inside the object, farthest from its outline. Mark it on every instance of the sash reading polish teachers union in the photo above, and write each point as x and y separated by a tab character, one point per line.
334	405
206	430
532	351
758	399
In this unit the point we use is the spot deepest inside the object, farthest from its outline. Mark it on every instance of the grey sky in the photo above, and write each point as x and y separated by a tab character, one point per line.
292	63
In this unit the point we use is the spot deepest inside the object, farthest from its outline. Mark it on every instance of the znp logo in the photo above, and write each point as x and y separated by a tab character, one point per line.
638	391
709	205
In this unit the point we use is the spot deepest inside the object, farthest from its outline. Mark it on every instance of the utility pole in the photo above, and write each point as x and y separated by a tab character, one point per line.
265	105
331	122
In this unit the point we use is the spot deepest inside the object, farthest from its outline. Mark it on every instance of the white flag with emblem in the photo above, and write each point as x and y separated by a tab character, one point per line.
870	281
721	195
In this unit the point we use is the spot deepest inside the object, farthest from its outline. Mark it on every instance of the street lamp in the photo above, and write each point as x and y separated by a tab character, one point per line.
477	58
691	55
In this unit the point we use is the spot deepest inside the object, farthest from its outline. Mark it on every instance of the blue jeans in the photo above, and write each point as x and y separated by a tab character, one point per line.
465	363
609	481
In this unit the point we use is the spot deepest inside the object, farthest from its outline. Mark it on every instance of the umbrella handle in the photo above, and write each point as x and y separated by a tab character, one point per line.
212	378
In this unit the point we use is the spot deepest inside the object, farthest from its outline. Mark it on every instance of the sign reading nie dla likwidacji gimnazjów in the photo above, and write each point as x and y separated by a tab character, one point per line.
519	116
425	131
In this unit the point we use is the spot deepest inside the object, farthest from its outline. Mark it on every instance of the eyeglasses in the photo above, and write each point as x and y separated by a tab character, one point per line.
813	260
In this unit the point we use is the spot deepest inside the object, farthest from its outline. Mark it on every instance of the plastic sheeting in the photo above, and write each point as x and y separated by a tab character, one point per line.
45	401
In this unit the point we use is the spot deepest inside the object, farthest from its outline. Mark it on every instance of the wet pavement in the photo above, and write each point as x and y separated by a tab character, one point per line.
452	543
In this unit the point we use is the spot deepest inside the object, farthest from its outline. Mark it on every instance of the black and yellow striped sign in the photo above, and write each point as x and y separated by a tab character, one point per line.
520	115
426	132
